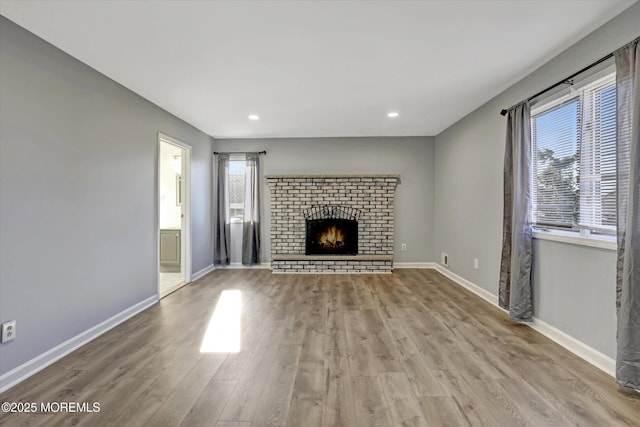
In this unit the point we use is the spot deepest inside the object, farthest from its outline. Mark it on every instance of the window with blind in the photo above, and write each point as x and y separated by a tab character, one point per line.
237	166
574	159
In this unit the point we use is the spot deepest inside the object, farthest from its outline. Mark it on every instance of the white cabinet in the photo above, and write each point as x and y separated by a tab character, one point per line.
169	250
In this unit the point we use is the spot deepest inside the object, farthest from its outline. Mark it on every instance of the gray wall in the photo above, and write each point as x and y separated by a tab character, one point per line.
574	290
78	159
468	201
411	157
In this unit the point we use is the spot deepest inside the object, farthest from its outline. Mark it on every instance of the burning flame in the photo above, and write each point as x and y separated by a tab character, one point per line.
332	237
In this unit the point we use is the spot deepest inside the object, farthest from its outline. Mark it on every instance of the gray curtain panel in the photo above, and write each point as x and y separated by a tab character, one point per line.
515	265
628	227
222	248
251	222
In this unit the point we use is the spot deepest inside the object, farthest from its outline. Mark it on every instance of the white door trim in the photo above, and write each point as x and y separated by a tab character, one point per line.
185	234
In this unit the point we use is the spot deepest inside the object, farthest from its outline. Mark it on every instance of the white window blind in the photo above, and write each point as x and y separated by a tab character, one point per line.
598	157
573	171
556	135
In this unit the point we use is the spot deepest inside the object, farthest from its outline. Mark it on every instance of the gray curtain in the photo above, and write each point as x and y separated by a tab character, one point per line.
221	232
628	227
515	265
251	222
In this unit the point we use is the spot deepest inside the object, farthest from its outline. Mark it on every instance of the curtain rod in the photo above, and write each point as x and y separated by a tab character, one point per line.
566	80
240	152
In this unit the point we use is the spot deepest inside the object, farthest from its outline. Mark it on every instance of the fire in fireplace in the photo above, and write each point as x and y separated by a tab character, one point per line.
331	230
332	237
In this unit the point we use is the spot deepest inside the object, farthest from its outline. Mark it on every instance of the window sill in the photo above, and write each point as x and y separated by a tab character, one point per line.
602	242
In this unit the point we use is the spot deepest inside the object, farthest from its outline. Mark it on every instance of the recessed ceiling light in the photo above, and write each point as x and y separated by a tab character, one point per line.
254	117
393	114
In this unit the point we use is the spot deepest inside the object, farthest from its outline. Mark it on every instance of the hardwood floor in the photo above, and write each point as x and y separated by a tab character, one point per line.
407	349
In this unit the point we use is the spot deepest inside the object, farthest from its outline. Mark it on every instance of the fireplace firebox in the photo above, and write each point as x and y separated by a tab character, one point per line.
331	230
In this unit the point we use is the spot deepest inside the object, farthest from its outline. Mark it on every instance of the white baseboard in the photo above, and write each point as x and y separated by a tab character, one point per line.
201	273
481	292
45	359
414	265
580	349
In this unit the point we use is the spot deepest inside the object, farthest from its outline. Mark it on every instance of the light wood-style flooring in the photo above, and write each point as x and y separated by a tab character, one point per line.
407	349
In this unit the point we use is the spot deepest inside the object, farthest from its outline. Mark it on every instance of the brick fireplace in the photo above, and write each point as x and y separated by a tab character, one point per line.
371	196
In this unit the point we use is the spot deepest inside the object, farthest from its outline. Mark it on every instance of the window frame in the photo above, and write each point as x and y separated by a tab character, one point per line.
578	236
234	219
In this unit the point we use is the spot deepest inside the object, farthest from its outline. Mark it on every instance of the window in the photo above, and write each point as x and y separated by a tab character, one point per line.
237	168
574	159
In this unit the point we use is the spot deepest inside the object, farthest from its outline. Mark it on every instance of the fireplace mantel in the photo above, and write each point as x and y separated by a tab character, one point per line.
371	194
397	177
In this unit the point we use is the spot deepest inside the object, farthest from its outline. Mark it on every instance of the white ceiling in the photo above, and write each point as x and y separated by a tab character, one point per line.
314	68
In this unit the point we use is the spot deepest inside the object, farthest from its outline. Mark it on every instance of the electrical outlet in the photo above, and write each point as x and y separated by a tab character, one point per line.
475	263
8	331
403	247
444	259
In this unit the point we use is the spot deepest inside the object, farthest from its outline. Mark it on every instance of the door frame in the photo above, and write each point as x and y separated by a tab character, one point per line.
185	232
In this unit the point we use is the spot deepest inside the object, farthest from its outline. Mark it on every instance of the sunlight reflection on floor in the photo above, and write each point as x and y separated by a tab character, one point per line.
223	332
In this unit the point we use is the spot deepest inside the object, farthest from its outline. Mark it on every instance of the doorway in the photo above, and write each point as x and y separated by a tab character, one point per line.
173	218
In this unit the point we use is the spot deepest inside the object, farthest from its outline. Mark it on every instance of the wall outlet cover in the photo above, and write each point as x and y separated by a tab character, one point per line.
8	331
